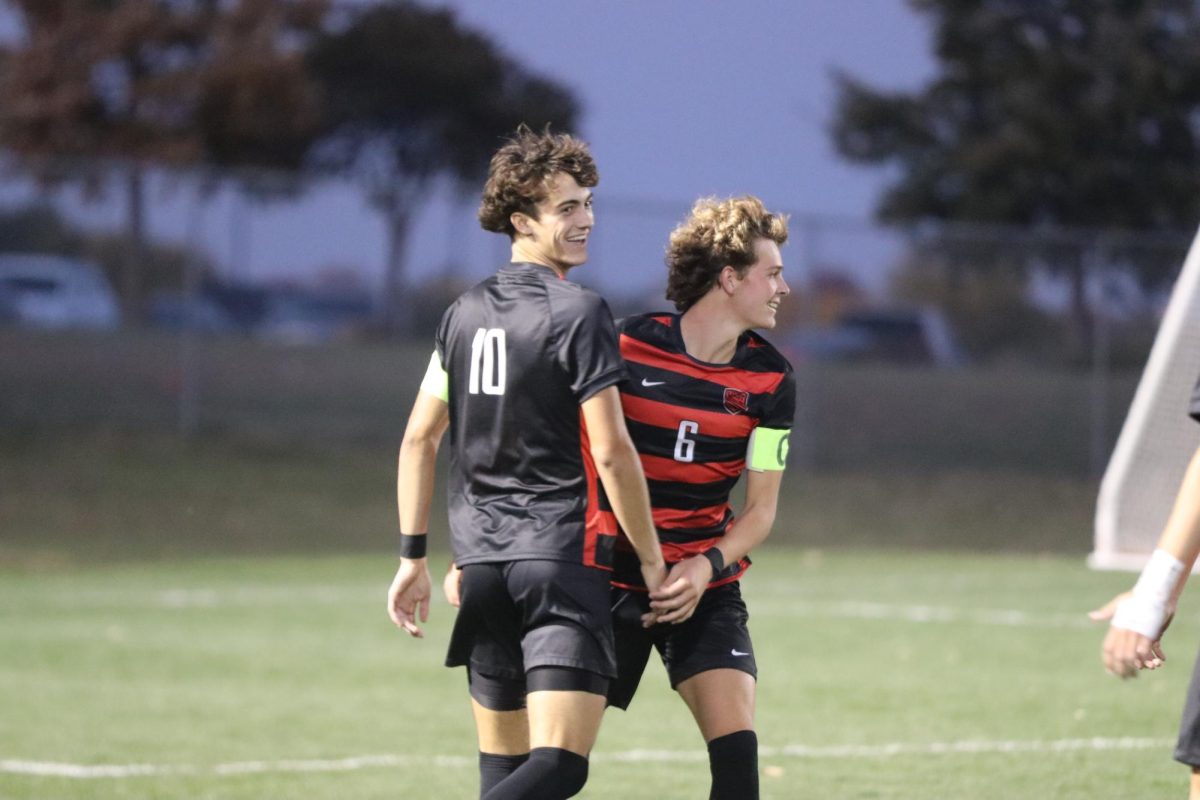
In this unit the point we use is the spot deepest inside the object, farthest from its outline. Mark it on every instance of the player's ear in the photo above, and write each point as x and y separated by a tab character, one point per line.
729	279
520	223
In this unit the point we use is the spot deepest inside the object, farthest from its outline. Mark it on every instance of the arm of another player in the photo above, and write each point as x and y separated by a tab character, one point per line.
452	585
620	470
408	595
676	601
1140	617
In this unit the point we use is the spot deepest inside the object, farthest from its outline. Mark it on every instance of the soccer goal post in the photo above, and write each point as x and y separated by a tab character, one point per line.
1158	439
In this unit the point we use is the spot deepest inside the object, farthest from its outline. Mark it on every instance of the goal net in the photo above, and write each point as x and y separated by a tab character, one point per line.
1158	439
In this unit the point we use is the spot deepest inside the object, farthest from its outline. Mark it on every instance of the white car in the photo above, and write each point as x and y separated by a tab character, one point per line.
49	291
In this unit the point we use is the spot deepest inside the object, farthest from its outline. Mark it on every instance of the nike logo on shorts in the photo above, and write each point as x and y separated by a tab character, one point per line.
736	652
652	383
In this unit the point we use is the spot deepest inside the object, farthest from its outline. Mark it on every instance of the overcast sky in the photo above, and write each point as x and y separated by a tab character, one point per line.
681	99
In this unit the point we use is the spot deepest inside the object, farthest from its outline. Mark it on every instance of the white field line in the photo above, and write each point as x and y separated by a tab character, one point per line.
264	596
920	614
866	751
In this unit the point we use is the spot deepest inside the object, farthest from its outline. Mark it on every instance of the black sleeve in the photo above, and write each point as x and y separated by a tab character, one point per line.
588	348
780	409
1194	406
439	337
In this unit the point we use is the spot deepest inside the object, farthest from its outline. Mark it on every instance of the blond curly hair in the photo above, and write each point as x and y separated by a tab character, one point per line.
718	233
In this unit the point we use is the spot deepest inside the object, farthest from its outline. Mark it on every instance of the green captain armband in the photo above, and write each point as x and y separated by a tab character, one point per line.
768	449
436	381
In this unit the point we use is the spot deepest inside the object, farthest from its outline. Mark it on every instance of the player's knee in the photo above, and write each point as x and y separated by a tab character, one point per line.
569	770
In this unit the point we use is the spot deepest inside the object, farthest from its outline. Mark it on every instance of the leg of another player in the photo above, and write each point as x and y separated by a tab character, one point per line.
722	701
503	743
562	730
1194	793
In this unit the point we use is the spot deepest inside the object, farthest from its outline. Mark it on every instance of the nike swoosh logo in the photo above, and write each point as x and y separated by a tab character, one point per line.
736	652
652	383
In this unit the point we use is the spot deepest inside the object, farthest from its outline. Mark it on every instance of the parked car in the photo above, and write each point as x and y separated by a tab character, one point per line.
175	311
49	291
312	317
897	335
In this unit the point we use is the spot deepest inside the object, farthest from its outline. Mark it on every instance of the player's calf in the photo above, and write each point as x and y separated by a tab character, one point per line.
733	762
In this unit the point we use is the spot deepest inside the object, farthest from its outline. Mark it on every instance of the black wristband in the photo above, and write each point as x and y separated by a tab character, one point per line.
716	558
412	546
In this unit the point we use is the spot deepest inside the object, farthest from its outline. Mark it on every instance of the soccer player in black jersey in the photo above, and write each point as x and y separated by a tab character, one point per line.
1140	617
521	361
706	401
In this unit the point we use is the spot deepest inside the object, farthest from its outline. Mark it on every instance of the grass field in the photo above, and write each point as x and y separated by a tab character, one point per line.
203	617
884	675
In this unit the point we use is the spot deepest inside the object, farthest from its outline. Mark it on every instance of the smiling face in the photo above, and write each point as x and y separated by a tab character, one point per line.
758	291
558	236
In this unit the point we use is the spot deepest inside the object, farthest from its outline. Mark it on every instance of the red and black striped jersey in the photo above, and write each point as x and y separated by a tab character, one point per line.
691	423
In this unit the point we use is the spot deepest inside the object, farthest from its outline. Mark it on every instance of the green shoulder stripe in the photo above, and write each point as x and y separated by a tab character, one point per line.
436	382
768	449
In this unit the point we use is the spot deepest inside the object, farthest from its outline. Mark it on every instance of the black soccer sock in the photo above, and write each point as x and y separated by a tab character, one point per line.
549	774
733	762
494	768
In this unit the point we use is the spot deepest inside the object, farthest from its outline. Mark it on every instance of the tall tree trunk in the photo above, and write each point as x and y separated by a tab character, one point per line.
135	244
397	311
1081	323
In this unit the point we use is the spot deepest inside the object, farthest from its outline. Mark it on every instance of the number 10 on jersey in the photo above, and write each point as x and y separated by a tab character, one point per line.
488	362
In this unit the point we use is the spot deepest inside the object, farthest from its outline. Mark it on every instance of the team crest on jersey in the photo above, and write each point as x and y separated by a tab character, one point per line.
737	401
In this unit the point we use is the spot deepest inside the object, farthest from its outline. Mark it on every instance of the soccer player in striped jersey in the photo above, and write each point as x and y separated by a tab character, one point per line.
706	401
522	361
1140	617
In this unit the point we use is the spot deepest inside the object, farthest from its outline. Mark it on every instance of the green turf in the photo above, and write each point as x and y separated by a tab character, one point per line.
200	663
111	495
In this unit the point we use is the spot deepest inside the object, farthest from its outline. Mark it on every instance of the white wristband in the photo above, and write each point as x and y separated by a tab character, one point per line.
1145	611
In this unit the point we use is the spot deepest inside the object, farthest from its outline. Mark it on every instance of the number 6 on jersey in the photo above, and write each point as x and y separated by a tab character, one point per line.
685	448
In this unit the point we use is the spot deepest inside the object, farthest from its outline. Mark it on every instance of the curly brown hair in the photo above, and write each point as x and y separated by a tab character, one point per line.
718	233
520	170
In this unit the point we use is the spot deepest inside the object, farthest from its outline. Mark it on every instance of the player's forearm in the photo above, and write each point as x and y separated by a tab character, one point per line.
414	484
1181	536
747	532
620	471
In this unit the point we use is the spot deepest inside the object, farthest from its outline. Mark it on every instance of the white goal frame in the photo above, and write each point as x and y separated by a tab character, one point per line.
1157	440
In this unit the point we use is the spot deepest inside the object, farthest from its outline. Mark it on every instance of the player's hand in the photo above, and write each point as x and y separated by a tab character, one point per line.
1125	652
452	585
408	596
676	600
653	575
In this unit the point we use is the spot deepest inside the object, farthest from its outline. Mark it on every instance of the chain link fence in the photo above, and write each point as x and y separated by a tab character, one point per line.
949	346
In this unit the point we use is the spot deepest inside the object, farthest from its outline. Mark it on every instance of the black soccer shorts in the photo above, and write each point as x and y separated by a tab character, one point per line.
1187	749
716	636
517	616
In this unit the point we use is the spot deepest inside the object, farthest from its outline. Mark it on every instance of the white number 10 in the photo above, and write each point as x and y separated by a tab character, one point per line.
488	361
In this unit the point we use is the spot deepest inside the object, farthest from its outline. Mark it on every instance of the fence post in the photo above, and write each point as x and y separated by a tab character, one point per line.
805	442
189	378
1098	276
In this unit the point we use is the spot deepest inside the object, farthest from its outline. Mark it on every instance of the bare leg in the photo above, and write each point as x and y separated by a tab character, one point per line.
562	729
722	701
565	720
504	733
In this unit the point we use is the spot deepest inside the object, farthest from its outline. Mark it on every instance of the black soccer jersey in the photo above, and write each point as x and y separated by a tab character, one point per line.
522	350
692	423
